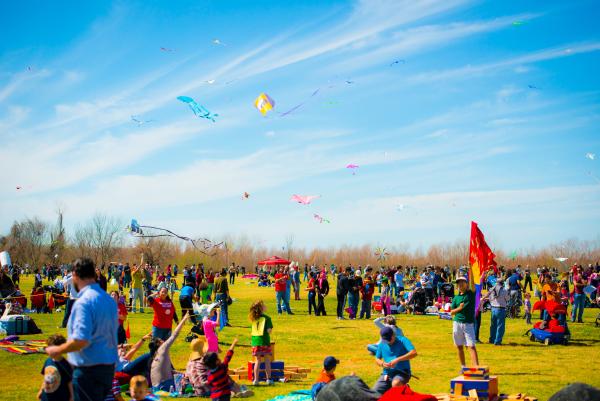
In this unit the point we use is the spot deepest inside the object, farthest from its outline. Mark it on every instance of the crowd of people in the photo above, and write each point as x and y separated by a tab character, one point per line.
99	356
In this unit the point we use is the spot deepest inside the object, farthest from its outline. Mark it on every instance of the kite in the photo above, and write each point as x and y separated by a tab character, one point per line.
136	229
245	196
533	87
264	103
320	219
299	105
140	122
400	207
590	156
349	82
397	62
518	23
513	255
199	111
218	42
166	49
381	253
353	167
19	188
561	260
304	199
210	81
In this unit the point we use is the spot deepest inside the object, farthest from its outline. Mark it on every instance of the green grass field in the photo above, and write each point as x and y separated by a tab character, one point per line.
522	366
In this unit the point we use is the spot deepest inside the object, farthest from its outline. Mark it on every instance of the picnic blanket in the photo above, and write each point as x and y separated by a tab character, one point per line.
24	347
298	395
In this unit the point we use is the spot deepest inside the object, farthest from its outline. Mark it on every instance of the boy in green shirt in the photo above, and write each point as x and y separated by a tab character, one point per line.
463	329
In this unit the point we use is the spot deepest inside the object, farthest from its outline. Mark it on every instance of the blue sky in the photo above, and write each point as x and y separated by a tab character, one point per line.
453	133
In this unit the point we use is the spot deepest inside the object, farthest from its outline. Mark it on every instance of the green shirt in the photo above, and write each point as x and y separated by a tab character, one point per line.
467	315
136	279
221	286
258	326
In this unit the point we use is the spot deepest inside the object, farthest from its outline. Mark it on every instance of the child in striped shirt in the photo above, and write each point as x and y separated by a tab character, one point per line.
218	379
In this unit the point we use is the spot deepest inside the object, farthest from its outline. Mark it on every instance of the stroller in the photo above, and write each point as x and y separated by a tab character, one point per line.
418	301
550	331
447	290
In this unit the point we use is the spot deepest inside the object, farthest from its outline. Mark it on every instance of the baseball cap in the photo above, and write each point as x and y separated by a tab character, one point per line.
461	278
386	333
330	362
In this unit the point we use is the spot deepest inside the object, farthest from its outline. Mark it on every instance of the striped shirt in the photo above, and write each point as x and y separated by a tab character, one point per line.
218	379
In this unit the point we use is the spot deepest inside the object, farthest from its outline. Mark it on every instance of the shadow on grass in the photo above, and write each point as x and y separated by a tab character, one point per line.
341	327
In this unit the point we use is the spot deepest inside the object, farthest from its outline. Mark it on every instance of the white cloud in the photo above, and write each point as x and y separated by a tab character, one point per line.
534	57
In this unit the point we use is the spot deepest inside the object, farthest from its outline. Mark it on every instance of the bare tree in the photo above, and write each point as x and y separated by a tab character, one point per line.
106	237
156	250
289	244
27	240
82	240
57	239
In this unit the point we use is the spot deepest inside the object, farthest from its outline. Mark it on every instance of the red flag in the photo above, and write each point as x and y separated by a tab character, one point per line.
127	332
481	257
51	302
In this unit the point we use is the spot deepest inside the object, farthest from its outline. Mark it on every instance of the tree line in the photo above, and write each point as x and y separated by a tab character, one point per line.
34	242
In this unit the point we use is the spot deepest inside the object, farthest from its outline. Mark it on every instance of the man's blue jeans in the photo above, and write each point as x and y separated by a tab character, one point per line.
281	298
578	306
224	306
498	325
365	309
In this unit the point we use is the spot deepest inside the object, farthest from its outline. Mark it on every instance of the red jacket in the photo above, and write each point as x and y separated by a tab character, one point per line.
367	290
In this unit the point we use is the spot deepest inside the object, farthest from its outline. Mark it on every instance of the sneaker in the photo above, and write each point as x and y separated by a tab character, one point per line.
245	394
255	383
269	382
290	313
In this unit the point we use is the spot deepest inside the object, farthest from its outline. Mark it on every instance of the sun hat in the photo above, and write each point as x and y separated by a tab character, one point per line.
197	347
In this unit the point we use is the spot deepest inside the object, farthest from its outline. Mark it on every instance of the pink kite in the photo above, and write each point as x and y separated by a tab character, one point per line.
353	167
304	199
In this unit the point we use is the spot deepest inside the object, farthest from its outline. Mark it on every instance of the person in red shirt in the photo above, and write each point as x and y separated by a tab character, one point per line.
164	314
367	290
122	314
281	279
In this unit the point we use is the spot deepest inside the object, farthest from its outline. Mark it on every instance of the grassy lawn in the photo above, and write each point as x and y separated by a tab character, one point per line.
305	340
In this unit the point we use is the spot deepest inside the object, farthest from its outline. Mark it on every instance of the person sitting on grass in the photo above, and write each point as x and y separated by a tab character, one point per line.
262	327
161	368
196	373
218	378
57	384
326	376
138	389
393	355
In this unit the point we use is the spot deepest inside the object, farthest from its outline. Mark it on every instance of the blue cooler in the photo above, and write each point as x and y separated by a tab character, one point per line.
15	324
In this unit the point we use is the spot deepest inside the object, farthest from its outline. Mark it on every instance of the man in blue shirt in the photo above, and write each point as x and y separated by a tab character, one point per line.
393	355
92	332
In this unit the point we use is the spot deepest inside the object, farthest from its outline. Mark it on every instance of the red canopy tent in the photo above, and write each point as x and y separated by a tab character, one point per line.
273	261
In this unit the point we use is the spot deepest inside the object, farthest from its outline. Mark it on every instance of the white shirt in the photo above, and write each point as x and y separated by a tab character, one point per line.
69	287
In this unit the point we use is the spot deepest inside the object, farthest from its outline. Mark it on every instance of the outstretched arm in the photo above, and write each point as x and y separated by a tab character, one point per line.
175	333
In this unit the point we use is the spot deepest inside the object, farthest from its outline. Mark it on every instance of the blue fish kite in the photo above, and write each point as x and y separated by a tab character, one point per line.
199	111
